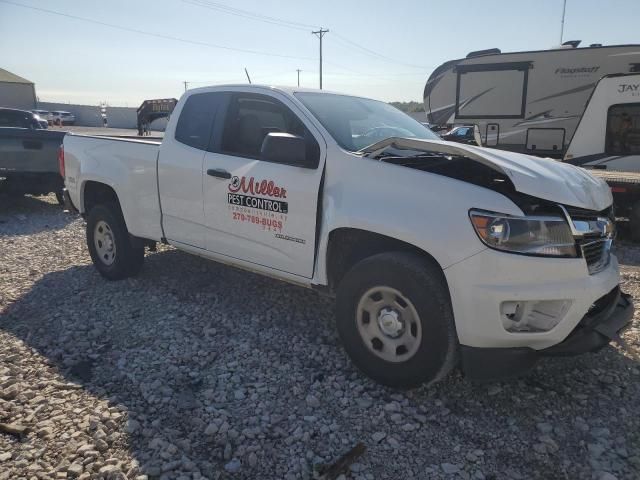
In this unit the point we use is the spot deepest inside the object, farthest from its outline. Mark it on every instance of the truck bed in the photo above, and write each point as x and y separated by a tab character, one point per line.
129	166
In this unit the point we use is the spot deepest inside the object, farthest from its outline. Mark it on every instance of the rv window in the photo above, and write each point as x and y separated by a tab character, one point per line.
491	91
623	129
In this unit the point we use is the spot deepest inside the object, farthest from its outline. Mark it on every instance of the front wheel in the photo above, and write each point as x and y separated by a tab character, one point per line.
109	245
395	320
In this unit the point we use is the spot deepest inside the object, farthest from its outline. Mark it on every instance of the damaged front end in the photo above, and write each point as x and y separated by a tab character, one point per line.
566	213
506	172
583	228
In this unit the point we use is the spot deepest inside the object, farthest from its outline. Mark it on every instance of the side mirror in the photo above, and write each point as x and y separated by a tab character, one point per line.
279	147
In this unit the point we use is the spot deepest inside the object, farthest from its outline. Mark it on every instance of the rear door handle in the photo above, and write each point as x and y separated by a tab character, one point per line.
218	172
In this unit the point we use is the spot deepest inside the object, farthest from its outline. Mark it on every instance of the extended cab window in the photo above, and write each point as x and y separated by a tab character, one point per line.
251	117
623	129
196	119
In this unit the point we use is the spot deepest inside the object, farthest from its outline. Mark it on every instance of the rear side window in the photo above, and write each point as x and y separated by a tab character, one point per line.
196	119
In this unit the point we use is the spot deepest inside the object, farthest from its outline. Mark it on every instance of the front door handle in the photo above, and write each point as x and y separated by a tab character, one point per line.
218	172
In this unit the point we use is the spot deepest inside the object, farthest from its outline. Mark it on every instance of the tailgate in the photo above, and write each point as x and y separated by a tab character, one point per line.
29	151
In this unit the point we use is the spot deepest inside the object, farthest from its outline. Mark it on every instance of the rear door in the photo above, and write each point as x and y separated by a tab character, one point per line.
180	170
257	211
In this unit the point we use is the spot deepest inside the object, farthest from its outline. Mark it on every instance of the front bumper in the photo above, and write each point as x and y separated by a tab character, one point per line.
607	318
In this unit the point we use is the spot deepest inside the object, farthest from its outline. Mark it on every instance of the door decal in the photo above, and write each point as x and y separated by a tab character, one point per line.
246	206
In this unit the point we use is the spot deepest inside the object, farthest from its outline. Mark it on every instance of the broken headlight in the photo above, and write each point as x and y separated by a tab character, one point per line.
544	236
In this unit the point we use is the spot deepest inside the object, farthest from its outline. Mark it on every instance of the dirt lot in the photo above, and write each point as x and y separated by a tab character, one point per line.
195	370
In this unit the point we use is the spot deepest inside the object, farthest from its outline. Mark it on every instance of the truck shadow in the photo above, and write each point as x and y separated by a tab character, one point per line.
190	342
26	215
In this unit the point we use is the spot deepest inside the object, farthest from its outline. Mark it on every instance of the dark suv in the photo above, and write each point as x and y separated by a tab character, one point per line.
11	117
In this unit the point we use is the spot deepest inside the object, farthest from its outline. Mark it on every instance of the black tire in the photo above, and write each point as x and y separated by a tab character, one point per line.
127	259
59	197
634	222
421	282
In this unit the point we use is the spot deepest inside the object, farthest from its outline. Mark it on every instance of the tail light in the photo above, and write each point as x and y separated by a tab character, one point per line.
61	160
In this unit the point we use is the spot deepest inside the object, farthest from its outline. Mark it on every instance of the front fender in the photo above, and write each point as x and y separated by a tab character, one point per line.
428	211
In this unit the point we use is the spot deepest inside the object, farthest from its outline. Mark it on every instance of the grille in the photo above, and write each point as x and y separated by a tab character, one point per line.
596	253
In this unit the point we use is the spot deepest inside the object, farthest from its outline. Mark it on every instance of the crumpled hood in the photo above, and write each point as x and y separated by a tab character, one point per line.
543	178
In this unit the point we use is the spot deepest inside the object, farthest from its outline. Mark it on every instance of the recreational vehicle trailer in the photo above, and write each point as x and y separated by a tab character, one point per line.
607	141
528	102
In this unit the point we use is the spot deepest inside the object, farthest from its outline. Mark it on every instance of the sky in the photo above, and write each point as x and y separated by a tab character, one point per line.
122	51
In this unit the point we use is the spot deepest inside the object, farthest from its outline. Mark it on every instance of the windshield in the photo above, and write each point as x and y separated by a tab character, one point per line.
356	122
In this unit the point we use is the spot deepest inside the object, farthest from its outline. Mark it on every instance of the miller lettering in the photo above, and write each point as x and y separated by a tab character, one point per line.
252	186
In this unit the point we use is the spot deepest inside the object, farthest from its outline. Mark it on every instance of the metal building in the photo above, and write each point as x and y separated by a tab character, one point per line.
16	92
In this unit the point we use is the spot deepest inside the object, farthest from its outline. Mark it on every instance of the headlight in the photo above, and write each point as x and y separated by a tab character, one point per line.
546	236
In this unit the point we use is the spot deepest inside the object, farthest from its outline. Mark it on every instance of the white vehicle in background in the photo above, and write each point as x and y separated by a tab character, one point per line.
436	252
607	141
59	117
44	115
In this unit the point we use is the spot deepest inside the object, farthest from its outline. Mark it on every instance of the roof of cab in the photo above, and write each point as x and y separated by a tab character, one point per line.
290	90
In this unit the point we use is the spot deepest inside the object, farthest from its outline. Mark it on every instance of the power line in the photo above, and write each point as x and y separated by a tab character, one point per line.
320	33
157	35
296	26
251	15
372	53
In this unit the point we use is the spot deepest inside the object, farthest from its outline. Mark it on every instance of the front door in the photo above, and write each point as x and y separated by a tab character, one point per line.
258	211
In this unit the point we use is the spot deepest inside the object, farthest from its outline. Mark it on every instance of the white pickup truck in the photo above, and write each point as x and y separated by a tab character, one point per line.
438	254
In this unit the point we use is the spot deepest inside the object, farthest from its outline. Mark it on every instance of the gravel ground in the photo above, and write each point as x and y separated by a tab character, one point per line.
196	370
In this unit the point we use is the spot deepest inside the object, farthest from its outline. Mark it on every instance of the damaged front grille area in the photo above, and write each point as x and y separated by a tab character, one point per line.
597	253
594	236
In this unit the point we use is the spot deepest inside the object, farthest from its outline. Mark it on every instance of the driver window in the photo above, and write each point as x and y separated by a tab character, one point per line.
250	118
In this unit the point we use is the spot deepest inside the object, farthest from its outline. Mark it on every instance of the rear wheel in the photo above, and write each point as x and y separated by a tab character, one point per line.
109	245
395	320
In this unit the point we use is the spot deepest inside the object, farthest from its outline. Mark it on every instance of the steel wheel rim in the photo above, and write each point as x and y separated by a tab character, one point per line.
104	241
388	324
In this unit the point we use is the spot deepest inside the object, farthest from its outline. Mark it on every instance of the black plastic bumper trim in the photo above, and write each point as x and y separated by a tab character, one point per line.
610	315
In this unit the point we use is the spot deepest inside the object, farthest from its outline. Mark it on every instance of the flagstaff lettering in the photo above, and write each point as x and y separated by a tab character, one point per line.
576	70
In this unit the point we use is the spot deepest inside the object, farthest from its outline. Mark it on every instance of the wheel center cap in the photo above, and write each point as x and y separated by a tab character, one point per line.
390	322
108	240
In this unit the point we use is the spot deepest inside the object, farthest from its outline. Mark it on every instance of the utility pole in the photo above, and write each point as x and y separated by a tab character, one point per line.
564	9
186	85
298	70
320	33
